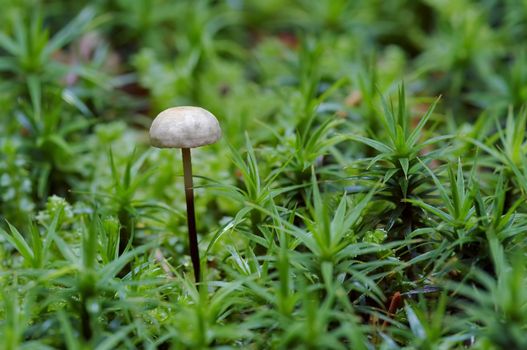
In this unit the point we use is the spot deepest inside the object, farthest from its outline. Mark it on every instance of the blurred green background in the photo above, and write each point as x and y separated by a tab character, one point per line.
80	77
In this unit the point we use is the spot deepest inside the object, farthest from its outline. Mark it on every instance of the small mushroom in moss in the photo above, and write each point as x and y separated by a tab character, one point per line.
186	127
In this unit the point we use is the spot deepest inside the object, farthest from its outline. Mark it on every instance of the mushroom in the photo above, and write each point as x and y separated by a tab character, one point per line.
186	127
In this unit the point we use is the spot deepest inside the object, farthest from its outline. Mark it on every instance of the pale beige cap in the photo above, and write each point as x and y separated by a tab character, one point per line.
184	127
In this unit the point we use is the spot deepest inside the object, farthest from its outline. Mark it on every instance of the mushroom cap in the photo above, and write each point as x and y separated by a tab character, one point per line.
184	127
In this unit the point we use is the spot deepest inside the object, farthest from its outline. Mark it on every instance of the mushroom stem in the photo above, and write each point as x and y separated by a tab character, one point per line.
191	219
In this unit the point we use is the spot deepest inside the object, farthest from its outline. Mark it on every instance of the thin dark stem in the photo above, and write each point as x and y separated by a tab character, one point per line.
191	219
85	324
87	332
